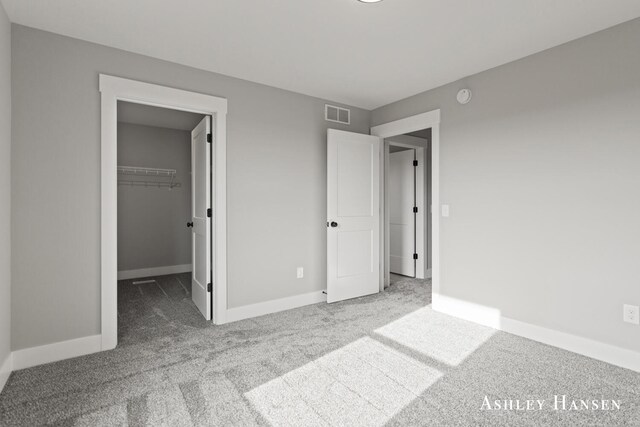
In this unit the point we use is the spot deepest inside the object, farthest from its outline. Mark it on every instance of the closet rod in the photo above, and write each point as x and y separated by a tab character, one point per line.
168	185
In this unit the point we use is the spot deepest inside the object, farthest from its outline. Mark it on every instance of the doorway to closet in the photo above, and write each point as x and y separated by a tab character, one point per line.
407	188
116	89
164	235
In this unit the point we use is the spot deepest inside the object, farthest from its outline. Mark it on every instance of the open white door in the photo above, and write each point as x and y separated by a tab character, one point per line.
201	277
353	215
401	190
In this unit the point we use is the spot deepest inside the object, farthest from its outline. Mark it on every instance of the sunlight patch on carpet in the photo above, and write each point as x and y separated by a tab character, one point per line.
443	338
363	383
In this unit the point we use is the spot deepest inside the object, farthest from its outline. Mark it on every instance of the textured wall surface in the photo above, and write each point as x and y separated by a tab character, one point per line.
5	187
541	172
276	182
152	229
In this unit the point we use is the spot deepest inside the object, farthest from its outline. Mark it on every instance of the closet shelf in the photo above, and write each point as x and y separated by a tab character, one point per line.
150	173
133	170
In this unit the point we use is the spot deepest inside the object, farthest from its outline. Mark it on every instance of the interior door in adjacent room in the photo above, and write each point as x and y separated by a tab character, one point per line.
201	278
401	191
353	215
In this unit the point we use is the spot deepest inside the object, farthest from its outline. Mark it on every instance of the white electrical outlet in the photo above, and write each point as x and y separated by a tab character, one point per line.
445	211
631	314
300	273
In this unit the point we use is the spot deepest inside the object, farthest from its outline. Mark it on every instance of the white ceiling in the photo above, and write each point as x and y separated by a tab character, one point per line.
139	114
365	55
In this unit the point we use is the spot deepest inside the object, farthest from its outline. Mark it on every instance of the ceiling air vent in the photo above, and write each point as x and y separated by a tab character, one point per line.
337	114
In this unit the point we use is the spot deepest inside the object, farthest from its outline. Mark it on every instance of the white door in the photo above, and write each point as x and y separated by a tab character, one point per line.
402	224
353	215
201	276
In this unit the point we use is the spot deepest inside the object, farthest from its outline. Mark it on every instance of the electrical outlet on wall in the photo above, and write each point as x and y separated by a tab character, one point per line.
631	314
300	273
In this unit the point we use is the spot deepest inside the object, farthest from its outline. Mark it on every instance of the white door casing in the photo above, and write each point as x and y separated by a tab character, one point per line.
114	89
353	215
402	219
429	119
201	221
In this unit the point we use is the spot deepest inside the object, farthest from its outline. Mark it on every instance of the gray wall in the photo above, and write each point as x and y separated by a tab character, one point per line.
276	182
542	173
5	186
152	229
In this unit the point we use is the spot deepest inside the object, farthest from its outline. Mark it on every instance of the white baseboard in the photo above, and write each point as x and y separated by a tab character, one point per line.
491	317
153	271
475	313
597	350
274	306
5	370
34	356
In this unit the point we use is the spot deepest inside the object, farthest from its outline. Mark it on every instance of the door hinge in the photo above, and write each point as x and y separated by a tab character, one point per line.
209	287
415	209
209	213
209	137
415	163
415	256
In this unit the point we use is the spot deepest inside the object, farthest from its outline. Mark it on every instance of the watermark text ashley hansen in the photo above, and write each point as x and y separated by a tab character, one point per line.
559	402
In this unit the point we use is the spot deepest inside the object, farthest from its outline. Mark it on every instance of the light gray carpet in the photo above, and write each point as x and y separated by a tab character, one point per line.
386	359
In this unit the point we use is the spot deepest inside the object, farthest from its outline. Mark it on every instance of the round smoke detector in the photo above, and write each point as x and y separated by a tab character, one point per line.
464	96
